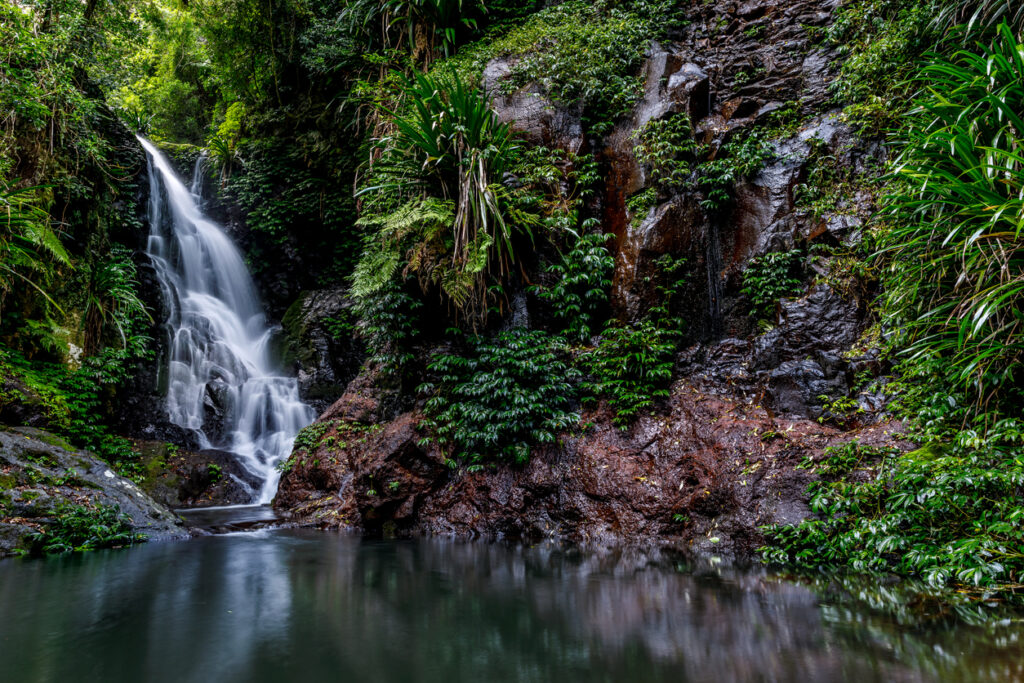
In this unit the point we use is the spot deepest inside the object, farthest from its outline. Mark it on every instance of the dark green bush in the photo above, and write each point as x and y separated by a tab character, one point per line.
772	277
667	149
78	527
631	368
941	514
581	290
738	159
509	395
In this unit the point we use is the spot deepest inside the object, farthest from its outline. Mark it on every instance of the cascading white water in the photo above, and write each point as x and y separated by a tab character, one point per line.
219	349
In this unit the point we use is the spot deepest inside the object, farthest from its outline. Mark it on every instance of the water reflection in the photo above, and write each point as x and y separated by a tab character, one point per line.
287	606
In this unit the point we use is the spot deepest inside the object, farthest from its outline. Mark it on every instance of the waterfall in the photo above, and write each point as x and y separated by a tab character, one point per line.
222	380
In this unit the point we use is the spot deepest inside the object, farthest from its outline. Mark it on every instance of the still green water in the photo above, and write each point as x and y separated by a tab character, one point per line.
313	606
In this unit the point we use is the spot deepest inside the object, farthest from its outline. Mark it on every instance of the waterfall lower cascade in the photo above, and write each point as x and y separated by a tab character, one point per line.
222	380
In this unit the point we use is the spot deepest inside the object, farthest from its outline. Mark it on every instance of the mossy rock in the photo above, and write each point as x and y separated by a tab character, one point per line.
54	440
930	451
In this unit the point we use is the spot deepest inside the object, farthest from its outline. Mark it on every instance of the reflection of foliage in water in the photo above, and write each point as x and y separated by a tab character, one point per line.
927	627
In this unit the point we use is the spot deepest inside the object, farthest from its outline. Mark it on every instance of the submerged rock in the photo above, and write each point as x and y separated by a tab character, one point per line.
40	474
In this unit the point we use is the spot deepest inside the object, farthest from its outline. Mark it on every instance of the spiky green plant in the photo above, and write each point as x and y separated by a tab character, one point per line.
450	146
979	15
954	248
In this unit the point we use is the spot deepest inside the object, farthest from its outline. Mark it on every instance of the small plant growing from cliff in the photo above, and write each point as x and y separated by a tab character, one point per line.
738	159
639	206
631	367
78	527
388	322
584	277
309	437
772	277
508	395
666	148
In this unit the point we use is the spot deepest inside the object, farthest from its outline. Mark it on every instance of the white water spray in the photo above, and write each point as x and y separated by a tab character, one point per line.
219	350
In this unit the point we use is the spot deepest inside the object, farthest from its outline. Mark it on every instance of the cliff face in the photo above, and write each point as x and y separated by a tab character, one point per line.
719	457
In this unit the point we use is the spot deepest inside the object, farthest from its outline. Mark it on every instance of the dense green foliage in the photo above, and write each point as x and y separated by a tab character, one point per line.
666	147
949	512
939	514
508	395
772	277
72	324
581	288
738	159
631	367
72	401
78	527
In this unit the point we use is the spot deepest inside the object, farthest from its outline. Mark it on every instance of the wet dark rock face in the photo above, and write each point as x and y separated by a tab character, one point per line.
719	458
39	473
181	478
702	475
320	339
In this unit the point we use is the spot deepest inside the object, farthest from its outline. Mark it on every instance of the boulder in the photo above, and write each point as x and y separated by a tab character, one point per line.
320	339
41	473
530	113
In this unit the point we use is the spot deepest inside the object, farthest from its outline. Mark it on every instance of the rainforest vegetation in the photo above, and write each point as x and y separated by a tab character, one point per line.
356	142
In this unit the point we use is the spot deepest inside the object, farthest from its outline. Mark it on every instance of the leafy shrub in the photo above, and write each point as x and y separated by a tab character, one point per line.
584	277
772	277
552	183
666	147
631	367
739	158
388	322
510	394
309	436
78	527
399	21
944	516
640	204
829	185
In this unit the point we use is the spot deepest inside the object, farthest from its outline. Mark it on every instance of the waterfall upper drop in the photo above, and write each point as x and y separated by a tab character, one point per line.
219	339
